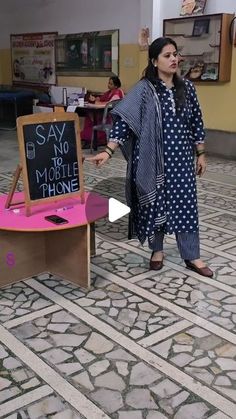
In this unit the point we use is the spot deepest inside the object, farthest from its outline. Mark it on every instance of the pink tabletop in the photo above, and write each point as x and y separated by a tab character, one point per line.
94	208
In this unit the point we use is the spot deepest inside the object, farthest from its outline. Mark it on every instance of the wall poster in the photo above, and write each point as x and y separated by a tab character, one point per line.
192	7
33	58
143	40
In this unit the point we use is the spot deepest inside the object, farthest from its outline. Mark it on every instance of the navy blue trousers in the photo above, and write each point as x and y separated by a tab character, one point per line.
188	244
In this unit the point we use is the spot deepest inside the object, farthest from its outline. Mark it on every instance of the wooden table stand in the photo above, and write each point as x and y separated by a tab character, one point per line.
65	253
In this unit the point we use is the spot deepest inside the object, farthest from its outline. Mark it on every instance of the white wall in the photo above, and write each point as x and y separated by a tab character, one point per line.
146	12
70	16
6	23
220	6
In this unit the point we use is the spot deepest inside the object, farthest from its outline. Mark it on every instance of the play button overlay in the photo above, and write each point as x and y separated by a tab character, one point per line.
116	210
114	227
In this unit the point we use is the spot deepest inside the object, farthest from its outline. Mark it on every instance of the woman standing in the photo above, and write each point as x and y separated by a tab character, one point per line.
159	129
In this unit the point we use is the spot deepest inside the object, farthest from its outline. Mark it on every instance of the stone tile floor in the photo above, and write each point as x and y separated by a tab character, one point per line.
137	344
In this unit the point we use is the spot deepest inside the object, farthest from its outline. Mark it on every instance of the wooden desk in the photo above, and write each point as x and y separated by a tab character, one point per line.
32	245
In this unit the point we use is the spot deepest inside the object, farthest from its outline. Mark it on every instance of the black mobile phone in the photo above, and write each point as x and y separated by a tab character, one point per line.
55	219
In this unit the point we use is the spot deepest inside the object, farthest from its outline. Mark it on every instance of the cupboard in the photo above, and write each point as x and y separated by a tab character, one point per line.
205	50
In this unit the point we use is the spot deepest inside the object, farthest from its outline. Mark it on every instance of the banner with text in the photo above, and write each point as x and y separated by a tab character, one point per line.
33	58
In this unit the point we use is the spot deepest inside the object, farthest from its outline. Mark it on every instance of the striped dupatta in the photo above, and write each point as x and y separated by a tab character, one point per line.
141	110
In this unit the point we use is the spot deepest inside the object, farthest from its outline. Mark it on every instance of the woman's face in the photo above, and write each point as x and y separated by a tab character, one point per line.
167	61
111	85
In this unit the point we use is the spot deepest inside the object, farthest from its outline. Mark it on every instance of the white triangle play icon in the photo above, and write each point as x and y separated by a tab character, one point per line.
116	210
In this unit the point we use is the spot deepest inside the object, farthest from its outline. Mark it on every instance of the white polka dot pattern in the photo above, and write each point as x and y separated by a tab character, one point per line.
182	129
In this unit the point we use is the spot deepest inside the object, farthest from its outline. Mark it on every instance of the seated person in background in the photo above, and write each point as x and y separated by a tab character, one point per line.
114	92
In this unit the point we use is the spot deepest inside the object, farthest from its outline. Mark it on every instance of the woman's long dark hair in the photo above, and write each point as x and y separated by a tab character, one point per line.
151	73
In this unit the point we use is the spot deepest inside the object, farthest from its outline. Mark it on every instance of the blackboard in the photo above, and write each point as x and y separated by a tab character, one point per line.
51	155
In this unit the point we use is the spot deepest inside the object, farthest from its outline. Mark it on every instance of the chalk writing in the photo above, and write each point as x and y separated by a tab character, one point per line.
8	258
51	159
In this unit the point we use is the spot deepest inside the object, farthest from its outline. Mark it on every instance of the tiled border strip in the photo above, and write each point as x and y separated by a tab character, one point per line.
216	209
217	228
209	216
216	250
19	402
155	299
174	373
31	316
206	179
218	194
69	393
227	245
164	333
168	305
144	275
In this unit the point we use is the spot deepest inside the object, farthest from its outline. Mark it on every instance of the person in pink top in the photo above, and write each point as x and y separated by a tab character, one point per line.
114	92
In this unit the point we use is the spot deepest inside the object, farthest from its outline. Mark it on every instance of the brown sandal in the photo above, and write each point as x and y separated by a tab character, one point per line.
201	271
155	265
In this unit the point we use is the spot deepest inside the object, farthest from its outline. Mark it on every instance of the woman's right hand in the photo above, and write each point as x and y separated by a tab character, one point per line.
99	159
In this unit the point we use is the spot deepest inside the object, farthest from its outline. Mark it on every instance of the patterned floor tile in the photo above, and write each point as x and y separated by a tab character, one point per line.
218	202
116	232
206	186
213	238
18	299
224	268
219	165
112	377
53	407
119	261
6	181
204	212
203	355
99	367
226	221
232	249
125	311
15	378
202	299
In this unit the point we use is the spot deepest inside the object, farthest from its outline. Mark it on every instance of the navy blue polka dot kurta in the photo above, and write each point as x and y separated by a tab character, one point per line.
182	129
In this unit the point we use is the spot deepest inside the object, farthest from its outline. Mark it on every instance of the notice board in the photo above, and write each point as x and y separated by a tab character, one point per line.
33	58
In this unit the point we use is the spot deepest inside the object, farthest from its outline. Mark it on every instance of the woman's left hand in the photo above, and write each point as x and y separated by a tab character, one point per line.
201	165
